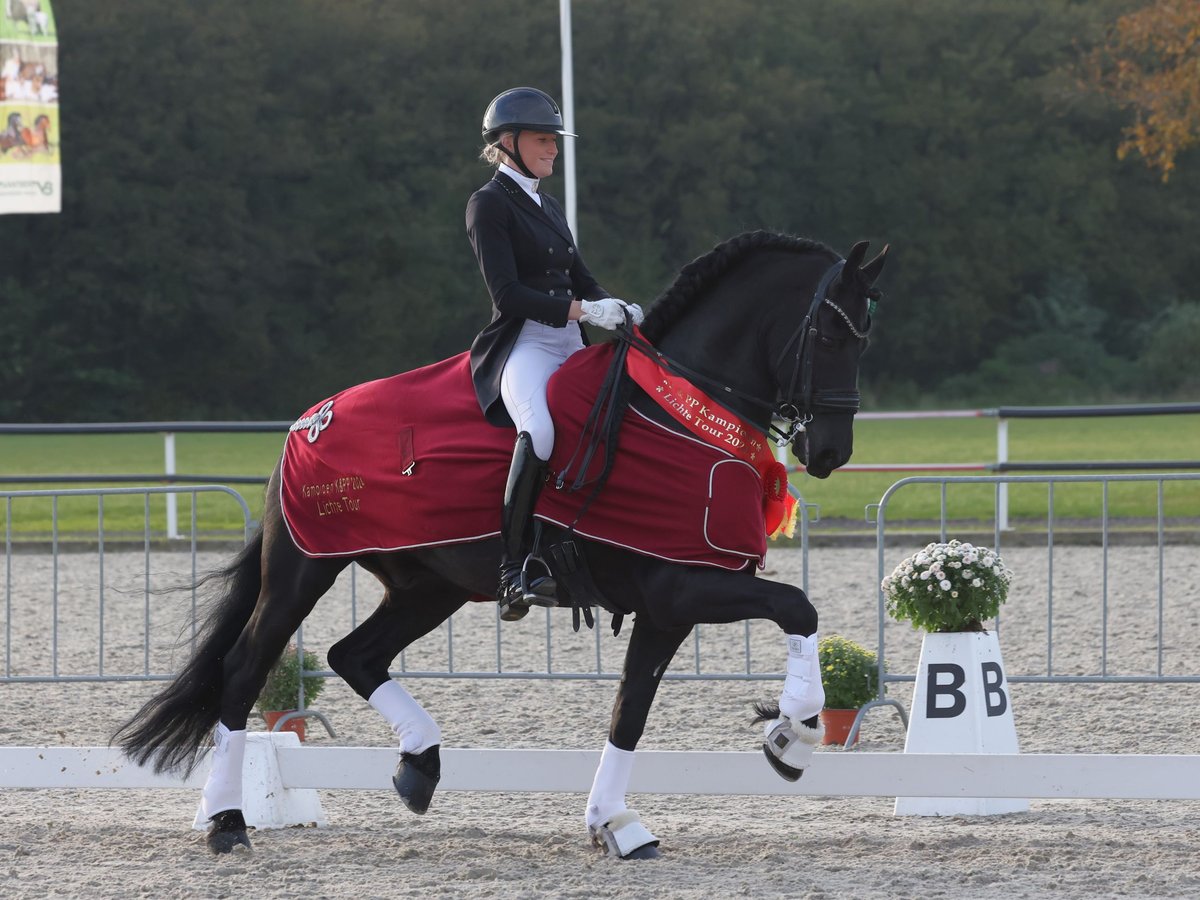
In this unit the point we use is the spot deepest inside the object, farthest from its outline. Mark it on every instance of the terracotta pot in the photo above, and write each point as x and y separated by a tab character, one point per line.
293	725
837	724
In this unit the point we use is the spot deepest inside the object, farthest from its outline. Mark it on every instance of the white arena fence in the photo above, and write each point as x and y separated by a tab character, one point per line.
1056	776
1002	414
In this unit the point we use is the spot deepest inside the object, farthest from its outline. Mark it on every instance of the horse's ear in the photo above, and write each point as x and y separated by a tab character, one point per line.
857	252
872	269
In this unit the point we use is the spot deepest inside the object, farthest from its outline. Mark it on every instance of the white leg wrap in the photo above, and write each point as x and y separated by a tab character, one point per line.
803	696
610	785
223	789
415	727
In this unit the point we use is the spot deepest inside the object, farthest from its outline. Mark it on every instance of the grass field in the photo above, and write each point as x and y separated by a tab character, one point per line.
842	497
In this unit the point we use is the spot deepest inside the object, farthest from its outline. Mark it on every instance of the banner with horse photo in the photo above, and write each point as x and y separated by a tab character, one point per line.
30	162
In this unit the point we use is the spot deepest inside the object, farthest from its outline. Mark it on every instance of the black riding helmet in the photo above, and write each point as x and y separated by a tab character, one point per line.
521	109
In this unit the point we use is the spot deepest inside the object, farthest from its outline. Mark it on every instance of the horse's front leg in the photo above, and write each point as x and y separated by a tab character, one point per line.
614	827
793	728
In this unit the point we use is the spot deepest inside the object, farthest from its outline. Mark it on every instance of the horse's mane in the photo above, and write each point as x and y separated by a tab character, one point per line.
699	274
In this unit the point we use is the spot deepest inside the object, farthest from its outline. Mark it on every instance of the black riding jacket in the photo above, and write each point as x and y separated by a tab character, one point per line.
532	269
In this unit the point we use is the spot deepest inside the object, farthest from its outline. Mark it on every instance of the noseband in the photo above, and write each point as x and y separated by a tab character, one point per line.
794	411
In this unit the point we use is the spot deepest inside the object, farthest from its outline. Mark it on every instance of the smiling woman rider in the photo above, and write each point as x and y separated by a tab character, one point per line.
540	290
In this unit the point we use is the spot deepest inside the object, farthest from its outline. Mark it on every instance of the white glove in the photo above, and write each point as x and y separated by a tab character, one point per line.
635	311
607	313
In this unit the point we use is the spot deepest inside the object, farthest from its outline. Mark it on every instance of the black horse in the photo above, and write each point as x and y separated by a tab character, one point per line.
773	324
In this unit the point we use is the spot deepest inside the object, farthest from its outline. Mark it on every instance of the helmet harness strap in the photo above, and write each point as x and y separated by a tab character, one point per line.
515	153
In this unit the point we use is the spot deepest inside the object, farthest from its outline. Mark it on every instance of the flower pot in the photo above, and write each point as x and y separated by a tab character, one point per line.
838	723
295	726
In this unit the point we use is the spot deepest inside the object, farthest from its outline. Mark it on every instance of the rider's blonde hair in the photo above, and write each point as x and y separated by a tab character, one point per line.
492	154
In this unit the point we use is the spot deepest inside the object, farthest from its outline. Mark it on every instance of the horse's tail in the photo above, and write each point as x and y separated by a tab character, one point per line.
173	725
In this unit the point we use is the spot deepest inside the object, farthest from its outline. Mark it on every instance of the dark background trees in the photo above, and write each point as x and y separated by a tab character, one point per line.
263	202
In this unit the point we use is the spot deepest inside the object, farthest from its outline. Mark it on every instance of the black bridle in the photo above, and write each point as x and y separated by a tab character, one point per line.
794	411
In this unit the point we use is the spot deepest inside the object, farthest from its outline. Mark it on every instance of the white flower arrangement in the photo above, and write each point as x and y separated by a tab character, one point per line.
948	587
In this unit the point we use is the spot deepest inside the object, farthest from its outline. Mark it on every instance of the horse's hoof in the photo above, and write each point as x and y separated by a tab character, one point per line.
228	830
649	851
625	837
417	775
786	772
789	747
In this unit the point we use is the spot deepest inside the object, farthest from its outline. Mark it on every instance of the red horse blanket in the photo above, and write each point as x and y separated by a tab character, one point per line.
409	461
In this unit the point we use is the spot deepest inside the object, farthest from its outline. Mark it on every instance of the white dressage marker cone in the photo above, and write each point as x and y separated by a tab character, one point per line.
266	803
960	705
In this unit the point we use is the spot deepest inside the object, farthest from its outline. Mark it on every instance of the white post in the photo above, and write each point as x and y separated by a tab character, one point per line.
568	111
1002	457
172	509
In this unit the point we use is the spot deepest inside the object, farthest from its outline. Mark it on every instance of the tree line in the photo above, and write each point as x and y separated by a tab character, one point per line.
263	202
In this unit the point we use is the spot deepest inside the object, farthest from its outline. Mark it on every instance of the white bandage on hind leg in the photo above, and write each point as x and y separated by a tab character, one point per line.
223	789
609	786
415	727
803	696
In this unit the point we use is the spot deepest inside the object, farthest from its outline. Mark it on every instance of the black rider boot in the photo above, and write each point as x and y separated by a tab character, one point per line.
518	589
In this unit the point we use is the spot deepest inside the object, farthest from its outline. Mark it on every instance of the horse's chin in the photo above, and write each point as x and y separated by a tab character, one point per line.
814	467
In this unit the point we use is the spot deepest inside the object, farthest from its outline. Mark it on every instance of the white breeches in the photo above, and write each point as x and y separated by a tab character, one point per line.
539	351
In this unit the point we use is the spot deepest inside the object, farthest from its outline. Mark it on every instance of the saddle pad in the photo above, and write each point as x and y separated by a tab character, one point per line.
406	461
669	495
409	461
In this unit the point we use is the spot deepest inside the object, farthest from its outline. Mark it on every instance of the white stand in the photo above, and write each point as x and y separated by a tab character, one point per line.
960	705
266	803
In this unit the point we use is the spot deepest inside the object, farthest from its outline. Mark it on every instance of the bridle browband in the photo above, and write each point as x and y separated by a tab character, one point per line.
794	412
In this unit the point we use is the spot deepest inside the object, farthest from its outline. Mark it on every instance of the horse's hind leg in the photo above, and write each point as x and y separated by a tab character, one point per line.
415	603
291	586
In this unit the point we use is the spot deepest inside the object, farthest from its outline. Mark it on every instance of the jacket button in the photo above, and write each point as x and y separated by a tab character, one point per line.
568	292
552	293
549	249
547	271
570	249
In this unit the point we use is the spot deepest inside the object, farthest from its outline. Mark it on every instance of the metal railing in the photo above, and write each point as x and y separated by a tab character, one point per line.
559	655
1103	536
146	538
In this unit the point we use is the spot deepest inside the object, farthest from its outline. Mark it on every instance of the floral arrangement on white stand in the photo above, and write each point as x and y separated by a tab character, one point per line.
948	587
960	699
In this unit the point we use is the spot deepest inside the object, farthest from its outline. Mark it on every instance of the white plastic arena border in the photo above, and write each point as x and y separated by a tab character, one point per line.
1060	776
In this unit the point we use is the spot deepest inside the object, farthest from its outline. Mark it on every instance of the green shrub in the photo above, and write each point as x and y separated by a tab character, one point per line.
283	682
849	672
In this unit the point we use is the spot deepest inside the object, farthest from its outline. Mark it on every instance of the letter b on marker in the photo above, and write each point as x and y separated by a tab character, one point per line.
939	687
994	697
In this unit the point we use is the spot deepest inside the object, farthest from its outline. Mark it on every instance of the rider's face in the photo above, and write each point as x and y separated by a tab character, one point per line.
538	149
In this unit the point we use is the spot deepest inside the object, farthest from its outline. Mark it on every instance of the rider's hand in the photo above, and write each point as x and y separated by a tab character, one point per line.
634	311
607	313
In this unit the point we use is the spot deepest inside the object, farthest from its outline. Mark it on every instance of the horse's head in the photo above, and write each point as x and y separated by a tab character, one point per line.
732	321
817	371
